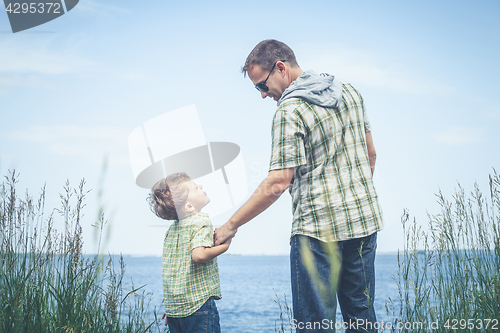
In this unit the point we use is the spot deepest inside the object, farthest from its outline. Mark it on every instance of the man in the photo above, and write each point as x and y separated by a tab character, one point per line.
323	152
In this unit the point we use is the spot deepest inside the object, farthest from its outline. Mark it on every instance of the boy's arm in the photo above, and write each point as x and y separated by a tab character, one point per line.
203	254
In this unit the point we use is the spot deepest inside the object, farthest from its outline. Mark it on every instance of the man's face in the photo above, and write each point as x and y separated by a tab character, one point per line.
196	196
275	81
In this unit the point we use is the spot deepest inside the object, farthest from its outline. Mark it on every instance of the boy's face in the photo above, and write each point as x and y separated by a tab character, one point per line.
196	197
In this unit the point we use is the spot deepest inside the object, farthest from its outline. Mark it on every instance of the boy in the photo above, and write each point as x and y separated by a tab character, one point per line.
190	271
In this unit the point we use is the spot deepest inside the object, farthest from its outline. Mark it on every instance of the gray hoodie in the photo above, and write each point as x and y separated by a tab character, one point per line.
322	90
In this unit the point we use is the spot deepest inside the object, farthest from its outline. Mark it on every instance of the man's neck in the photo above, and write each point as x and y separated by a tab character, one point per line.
295	73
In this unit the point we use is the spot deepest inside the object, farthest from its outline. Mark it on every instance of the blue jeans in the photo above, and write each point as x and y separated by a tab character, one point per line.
356	290
205	319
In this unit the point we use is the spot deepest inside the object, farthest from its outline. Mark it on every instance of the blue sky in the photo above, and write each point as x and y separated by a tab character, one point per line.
73	89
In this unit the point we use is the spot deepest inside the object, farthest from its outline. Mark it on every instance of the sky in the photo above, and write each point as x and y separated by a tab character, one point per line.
73	89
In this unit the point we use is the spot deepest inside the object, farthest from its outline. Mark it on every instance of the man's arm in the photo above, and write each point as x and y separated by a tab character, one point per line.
372	154
271	188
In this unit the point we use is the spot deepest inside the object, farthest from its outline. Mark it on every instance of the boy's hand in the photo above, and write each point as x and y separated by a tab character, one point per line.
164	316
226	244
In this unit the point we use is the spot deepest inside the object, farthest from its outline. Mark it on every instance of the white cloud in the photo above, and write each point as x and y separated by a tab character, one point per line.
8	81
99	8
53	133
90	142
28	65
366	67
493	115
34	64
136	76
41	58
460	135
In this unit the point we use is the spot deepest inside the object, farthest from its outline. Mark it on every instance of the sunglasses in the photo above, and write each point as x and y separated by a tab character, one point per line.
262	85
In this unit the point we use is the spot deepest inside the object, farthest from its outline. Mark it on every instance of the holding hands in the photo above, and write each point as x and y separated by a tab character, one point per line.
224	234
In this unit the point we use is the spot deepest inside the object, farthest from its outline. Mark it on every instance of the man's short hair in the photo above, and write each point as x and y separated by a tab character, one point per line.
266	53
168	195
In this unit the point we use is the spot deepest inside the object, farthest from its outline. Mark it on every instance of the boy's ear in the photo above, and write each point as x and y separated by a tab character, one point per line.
188	208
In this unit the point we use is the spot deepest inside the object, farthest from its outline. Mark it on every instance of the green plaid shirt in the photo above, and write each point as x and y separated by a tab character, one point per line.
186	284
333	197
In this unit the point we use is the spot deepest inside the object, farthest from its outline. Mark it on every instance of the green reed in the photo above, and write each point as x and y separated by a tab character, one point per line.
283	324
449	275
48	285
326	289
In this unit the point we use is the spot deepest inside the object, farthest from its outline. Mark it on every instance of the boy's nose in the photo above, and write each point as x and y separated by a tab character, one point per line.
201	186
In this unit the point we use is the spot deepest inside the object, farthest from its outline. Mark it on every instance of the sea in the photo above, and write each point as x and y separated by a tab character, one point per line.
254	287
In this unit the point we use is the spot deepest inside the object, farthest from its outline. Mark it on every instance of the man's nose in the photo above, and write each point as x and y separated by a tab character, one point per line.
263	94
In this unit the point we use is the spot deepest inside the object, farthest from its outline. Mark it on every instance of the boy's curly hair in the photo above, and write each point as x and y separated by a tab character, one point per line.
167	196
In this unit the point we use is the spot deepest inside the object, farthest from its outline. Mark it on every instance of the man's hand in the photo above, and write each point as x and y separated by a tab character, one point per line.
223	234
164	317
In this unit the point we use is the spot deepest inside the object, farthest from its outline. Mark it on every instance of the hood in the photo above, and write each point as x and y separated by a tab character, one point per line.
322	90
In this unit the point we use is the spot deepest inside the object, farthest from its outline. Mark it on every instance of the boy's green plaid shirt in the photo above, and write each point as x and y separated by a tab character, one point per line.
333	197
186	284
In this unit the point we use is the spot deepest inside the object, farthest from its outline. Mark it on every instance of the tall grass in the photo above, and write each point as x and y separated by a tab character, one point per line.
283	325
47	284
449	276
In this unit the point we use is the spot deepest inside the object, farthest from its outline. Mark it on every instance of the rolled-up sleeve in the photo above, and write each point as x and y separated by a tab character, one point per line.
368	127
287	141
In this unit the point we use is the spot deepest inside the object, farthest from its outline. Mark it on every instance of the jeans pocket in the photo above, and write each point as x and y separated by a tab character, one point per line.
200	313
199	322
370	242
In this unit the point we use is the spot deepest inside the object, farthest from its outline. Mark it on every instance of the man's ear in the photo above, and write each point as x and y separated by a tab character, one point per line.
281	67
